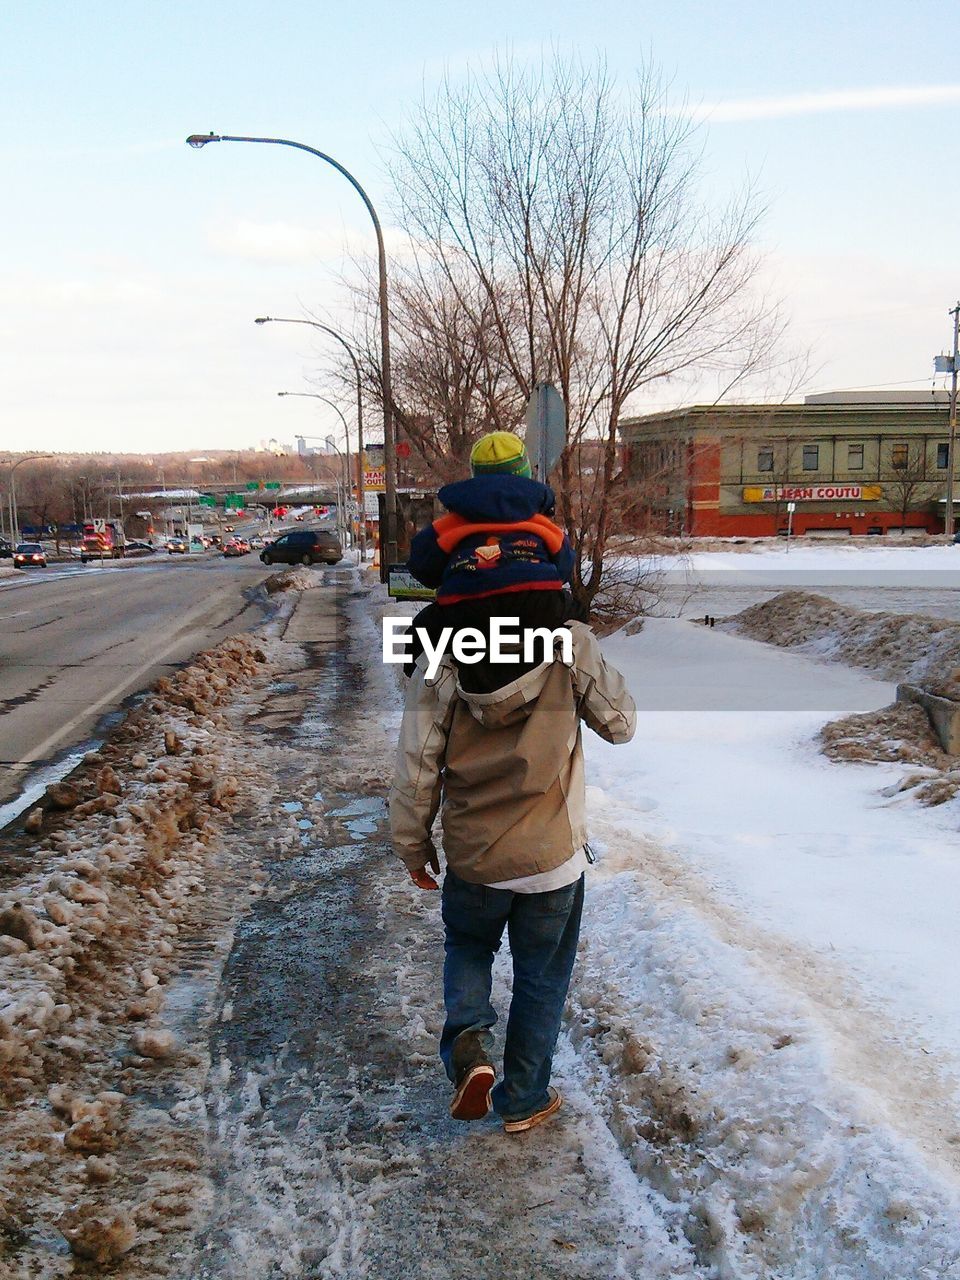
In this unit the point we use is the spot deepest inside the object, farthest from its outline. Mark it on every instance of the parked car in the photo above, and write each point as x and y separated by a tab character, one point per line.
6	550
307	546
139	549
178	546
30	553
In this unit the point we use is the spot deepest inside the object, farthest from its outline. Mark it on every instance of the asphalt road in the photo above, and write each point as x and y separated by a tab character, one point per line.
74	642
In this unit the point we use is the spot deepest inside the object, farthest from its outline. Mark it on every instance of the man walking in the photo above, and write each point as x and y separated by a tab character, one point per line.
495	747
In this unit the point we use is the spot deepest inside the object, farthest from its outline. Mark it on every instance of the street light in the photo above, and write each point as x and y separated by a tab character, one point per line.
361	490
199	140
315	395
12	510
345	487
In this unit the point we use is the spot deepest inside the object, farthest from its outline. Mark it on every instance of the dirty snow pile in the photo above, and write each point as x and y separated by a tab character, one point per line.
903	647
90	918
300	579
901	734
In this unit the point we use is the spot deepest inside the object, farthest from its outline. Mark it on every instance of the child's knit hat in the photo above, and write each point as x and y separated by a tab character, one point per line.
500	452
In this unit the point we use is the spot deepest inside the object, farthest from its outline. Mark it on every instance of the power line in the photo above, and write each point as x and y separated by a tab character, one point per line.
871	386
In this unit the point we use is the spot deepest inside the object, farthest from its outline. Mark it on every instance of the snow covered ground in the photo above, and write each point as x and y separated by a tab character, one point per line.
776	941
870	575
844	556
761	1053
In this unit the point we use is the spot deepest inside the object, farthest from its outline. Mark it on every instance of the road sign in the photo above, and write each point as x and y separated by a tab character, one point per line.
252	486
272	484
546	420
403	448
402	585
233	502
99	526
205	500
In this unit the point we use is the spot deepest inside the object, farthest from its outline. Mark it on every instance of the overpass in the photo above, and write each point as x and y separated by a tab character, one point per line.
306	494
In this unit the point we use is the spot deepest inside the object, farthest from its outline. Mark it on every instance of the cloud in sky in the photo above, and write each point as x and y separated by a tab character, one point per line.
802	104
290	243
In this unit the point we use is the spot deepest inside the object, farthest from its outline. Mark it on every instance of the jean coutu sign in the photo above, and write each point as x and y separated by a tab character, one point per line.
813	493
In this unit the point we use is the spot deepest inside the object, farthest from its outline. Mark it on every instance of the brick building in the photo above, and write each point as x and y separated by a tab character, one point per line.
851	464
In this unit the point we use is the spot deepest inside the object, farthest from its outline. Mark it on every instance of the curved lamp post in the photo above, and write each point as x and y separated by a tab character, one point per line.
345	525
361	493
13	511
315	395
389	443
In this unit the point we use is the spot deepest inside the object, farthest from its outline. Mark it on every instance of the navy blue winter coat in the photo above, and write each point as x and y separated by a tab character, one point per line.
497	539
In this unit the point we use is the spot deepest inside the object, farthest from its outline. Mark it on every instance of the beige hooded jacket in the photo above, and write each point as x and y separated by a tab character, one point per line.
508	765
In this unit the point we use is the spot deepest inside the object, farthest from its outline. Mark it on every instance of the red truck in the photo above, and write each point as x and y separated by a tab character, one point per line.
102	540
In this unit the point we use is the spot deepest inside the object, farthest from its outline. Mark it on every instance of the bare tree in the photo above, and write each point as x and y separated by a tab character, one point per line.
906	478
564	214
450	382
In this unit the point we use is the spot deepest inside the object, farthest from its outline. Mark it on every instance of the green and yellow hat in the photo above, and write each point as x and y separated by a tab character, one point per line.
500	453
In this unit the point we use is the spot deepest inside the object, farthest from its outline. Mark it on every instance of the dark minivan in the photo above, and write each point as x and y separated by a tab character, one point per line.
304	546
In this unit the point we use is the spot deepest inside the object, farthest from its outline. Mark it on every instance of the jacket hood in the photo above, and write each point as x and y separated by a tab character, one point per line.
498	498
511	703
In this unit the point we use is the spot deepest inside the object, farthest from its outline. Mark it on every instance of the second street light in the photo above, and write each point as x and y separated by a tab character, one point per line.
361	493
389	542
315	395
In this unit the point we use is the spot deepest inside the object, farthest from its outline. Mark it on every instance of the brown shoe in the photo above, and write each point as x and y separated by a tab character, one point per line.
538	1117
472	1098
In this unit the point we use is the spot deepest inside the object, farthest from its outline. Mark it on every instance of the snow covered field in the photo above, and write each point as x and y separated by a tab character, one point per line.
870	575
777	941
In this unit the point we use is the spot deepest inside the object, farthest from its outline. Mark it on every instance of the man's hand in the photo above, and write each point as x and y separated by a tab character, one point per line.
422	877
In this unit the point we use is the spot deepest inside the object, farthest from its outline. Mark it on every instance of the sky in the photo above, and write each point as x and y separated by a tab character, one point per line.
134	266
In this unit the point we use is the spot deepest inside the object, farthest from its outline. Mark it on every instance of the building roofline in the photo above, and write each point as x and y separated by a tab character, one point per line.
818	409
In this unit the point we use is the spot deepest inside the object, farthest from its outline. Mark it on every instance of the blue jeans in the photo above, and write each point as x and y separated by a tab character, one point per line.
543	929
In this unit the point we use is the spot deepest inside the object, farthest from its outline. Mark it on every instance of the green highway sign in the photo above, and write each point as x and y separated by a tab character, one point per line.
233	502
207	500
272	484
253	486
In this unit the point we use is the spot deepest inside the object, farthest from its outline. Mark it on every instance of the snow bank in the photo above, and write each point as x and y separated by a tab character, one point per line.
900	733
90	918
902	647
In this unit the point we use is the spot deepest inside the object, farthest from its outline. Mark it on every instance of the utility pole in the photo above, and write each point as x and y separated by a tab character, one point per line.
948	522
